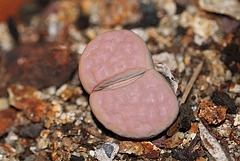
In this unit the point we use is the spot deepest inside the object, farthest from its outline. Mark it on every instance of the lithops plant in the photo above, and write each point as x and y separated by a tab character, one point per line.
127	95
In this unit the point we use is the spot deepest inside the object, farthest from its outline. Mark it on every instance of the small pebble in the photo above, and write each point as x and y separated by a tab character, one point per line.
107	152
130	147
170	7
186	116
82	22
7	120
11	138
167	59
212	113
42	143
6	41
3	103
180	154
223	99
76	158
175	140
235	88
31	131
225	129
64	92
188	139
150	150
237	120
219	6
149	15
203	28
92	153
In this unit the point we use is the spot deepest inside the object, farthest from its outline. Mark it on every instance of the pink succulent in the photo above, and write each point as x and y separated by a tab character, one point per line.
127	95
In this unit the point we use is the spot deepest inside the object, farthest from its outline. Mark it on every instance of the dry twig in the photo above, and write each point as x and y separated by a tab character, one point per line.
191	82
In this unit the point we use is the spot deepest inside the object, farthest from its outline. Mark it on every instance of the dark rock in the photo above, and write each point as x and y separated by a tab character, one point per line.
12	26
179	154
160	142
180	8
40	65
66	127
108	148
231	57
185	123
31	131
76	158
223	99
229	24
186	117
49	155
149	15
181	30
83	22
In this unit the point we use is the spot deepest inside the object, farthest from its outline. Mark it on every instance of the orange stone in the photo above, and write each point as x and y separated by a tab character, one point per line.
211	112
7	120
